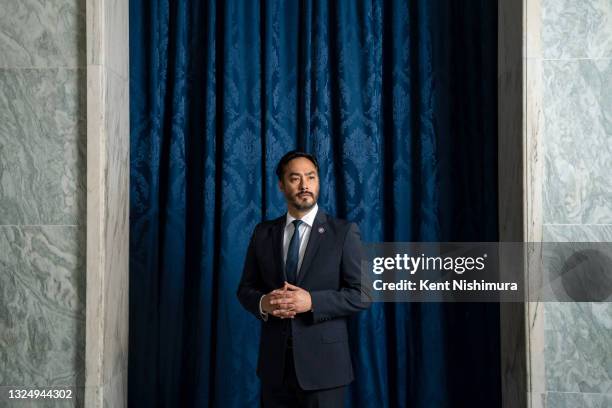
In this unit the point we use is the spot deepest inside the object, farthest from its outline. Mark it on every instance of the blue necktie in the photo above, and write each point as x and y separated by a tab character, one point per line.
293	254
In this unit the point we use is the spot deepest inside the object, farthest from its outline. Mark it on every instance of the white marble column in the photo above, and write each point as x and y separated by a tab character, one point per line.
107	203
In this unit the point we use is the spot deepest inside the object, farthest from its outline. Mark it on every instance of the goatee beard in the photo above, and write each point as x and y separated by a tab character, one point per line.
305	206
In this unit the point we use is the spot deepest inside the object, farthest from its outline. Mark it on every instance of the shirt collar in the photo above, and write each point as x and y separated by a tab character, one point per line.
308	219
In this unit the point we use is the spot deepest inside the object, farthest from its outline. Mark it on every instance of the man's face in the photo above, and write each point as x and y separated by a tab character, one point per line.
300	184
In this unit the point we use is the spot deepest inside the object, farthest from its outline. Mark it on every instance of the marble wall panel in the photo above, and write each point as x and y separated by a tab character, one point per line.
578	350
42	146
42	34
577	233
577	106
42	298
42	198
578	353
576	29
574	400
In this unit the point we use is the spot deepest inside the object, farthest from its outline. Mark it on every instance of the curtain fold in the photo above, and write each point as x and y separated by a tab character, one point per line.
397	99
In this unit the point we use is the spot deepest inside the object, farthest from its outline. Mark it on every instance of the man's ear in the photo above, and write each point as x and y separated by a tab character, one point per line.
281	186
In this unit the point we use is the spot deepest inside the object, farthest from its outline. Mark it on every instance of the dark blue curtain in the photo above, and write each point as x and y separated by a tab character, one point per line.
397	99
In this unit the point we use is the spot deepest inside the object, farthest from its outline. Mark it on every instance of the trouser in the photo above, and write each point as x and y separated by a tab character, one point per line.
290	395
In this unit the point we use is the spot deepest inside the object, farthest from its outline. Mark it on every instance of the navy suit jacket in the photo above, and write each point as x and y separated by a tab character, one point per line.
331	272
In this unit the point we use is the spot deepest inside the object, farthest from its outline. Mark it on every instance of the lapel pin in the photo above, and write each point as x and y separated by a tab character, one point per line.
321	230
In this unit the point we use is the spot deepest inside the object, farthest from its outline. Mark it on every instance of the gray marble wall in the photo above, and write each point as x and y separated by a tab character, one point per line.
570	56
42	197
64	196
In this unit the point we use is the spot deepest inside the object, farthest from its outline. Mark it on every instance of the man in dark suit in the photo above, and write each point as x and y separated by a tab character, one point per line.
301	277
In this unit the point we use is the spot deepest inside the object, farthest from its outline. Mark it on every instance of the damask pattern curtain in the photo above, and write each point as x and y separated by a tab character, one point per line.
397	99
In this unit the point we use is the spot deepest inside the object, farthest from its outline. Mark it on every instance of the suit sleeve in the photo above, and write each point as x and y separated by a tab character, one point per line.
249	289
330	304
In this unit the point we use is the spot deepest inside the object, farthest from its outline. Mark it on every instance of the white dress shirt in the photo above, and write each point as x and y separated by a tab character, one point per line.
304	230
305	227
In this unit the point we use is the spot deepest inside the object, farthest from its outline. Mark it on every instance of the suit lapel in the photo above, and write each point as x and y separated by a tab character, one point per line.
313	244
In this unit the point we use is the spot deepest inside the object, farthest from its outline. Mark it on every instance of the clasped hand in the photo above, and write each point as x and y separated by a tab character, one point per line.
287	301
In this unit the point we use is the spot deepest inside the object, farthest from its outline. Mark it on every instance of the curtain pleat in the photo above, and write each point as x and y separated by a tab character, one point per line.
397	99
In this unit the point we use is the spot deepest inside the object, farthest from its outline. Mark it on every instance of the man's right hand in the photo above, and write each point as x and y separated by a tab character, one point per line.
278	309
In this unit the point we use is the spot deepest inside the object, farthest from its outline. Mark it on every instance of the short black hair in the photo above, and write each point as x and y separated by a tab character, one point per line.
293	154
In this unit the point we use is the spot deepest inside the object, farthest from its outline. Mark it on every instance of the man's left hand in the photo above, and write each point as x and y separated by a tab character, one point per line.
296	299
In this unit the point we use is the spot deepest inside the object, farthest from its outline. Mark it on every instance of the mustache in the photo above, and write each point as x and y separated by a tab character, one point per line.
304	192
